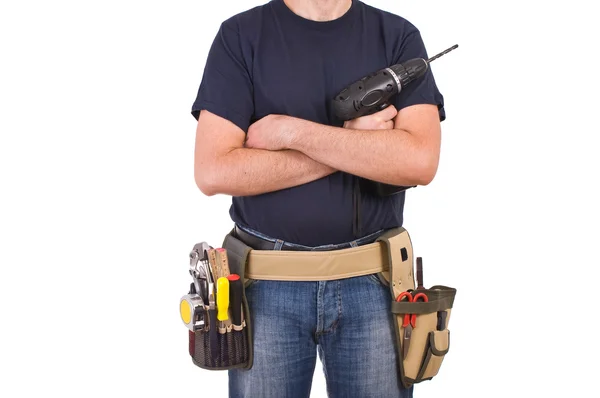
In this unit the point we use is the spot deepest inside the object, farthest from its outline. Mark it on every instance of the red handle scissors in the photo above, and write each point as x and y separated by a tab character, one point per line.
410	320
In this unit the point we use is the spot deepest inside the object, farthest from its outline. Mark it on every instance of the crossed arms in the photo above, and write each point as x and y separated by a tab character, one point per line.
399	148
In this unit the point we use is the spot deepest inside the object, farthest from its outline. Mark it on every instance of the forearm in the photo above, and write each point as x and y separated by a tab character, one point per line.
389	156
248	171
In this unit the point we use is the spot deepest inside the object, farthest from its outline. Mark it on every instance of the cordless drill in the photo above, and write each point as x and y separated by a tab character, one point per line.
372	93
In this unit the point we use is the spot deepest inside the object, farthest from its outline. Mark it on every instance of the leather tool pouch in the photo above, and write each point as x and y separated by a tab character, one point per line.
234	347
430	338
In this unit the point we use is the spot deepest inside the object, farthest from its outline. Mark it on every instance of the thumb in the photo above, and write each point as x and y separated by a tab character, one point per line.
388	113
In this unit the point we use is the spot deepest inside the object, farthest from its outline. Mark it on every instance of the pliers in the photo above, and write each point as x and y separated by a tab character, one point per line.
204	283
200	270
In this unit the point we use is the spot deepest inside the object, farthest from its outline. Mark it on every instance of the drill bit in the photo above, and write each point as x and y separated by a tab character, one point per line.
442	53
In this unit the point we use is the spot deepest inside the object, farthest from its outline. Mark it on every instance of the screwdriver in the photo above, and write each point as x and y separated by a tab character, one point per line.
222	298
235	291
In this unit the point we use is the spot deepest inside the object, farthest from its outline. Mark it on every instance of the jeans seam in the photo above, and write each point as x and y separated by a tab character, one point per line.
320	309
339	297
336	322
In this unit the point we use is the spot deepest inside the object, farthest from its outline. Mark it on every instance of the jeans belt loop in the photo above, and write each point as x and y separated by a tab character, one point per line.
278	244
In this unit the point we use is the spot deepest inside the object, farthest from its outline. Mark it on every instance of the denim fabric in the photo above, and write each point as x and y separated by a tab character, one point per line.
281	245
348	323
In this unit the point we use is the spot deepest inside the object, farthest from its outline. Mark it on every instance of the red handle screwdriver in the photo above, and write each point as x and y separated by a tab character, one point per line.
235	298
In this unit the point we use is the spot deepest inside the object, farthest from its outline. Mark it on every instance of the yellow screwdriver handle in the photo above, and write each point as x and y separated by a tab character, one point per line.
222	298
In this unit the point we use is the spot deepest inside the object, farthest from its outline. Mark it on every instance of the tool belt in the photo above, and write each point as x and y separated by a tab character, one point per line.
215	309
420	315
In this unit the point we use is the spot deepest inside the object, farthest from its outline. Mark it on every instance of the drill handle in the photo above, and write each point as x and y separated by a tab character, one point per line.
378	108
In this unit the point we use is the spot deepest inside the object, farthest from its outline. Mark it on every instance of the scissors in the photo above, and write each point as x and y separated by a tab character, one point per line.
410	320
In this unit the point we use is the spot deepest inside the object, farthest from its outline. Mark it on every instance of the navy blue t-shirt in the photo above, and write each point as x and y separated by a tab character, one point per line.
269	60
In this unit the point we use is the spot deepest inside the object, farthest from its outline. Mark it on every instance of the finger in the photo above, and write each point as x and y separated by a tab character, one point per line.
389	125
388	113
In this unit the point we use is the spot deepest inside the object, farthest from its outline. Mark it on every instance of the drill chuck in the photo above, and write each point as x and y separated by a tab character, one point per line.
409	71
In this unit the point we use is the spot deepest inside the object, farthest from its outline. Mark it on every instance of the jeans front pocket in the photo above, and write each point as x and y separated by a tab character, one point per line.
377	279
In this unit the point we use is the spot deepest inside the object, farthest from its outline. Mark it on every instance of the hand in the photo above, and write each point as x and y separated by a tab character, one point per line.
272	132
382	120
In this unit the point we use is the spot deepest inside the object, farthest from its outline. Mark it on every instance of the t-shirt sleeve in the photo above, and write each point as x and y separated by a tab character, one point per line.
226	87
423	90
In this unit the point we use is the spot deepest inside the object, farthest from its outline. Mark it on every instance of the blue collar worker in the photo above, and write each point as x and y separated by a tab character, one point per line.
267	136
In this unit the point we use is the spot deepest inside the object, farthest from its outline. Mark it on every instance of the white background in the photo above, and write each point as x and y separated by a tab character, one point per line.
99	206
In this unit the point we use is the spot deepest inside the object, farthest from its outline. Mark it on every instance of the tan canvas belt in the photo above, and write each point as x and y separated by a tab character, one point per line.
315	265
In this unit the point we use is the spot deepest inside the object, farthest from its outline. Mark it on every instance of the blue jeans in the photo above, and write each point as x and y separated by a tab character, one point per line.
282	245
347	322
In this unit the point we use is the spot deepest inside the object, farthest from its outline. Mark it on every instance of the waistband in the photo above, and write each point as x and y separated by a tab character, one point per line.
313	265
259	241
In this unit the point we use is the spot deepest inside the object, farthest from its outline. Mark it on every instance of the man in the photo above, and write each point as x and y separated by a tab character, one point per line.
267	136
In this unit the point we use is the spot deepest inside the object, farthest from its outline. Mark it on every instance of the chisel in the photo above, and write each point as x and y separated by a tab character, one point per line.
420	273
